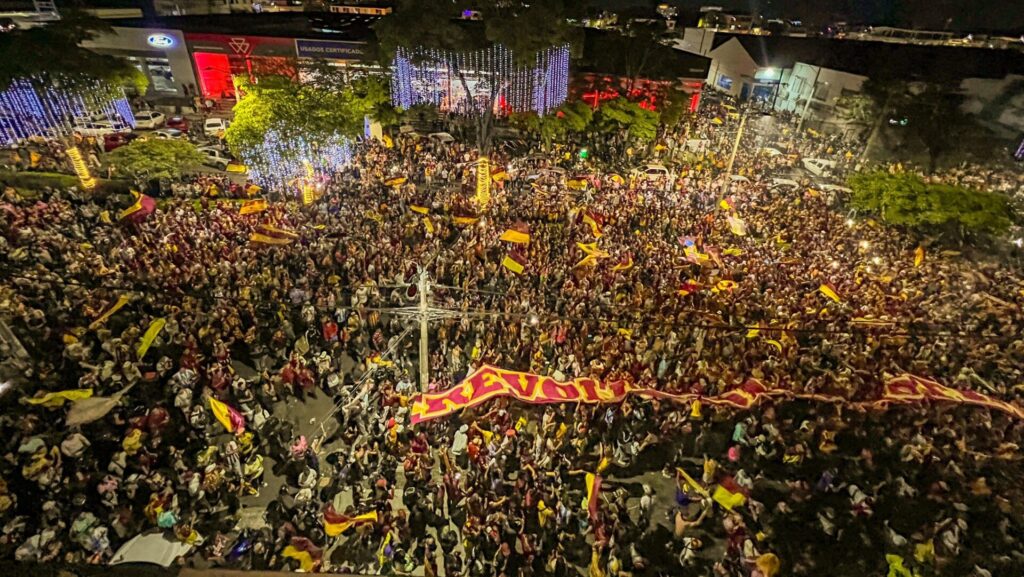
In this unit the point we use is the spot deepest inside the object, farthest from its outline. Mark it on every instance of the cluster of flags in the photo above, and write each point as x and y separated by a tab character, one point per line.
252	206
592	252
515	260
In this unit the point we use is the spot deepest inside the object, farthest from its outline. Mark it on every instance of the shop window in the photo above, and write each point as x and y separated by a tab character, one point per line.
161	79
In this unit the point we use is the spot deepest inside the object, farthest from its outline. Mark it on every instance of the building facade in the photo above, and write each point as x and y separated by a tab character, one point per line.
160	54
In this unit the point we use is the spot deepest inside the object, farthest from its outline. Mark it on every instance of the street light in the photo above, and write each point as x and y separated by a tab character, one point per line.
735	148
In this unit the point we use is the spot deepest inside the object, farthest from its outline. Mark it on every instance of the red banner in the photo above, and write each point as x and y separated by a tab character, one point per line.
489	382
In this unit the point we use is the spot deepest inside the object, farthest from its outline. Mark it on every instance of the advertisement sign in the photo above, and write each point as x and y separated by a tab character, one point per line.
330	49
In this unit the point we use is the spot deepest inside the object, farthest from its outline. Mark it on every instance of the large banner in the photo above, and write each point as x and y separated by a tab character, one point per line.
489	382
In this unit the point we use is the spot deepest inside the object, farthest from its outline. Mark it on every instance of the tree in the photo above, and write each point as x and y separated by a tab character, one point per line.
528	28
569	118
50	55
857	108
415	23
934	117
155	158
904	199
675	105
327	103
622	115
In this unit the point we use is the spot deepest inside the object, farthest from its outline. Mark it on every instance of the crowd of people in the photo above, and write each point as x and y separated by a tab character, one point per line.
699	282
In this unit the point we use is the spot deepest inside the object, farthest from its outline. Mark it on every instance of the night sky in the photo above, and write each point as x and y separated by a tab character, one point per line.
1005	16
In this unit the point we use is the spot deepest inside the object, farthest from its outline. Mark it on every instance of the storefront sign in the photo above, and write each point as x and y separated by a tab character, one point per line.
330	49
161	41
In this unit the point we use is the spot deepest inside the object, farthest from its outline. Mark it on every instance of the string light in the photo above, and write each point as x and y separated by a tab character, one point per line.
430	76
51	108
294	163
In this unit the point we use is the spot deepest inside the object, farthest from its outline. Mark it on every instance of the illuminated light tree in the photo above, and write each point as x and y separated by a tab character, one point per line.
47	82
295	135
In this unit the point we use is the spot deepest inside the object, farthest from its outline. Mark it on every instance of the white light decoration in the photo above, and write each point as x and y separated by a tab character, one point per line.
427	76
296	164
31	107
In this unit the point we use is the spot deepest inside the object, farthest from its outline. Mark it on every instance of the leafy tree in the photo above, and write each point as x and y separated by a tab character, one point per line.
857	108
904	199
155	158
414	23
675	105
569	118
622	115
935	118
327	102
527	28
50	55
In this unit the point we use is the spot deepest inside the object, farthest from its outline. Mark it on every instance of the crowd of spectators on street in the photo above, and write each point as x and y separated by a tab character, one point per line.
700	286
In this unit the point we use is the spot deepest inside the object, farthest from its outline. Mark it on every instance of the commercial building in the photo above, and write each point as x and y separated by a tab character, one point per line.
191	55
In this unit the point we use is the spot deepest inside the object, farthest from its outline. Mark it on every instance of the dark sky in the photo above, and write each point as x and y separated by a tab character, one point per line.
1006	16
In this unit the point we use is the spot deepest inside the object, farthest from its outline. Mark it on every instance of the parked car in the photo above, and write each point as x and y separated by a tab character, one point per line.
149	119
101	128
215	157
215	126
169	133
652	171
178	123
117	140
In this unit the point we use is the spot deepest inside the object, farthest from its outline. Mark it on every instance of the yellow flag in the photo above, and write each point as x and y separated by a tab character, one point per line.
512	265
335	524
774	343
691	481
918	256
464	220
105	217
419	209
395	181
252	206
381	557
56	399
830	293
595	228
515	236
727	498
147	339
264	239
428	225
280	231
753	332
121	301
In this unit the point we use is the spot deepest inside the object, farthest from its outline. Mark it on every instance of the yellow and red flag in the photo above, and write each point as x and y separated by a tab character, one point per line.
465	220
594	223
689	287
419	209
514	262
121	301
266	239
232	420
593	494
56	399
625	263
335	523
428	225
827	290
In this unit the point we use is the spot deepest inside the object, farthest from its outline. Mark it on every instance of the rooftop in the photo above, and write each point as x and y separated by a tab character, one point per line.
351	27
938	63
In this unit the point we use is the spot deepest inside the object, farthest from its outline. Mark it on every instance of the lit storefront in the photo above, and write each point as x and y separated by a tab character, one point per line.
218	58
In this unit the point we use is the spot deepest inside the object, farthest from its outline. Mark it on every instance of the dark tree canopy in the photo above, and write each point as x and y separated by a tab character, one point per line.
50	55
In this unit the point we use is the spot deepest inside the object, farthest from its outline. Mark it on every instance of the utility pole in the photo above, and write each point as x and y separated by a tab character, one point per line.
423	286
732	157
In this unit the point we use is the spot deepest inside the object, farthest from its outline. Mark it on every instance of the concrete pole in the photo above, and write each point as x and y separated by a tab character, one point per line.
732	157
424	342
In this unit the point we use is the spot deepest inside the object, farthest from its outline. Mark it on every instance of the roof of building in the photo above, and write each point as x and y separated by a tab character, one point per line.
326	25
603	52
936	63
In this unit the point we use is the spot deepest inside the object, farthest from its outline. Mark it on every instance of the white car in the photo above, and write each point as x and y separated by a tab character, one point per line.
169	134
818	166
149	119
215	157
652	171
769	151
553	173
101	128
214	126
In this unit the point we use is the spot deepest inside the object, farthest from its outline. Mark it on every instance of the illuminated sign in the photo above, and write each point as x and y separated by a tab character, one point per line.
160	41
